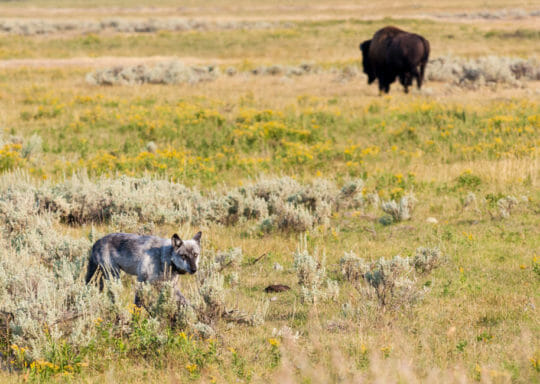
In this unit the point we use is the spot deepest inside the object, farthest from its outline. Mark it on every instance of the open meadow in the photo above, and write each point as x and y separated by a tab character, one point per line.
407	226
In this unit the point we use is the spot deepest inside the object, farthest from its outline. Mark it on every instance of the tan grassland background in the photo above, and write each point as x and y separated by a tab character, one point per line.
406	225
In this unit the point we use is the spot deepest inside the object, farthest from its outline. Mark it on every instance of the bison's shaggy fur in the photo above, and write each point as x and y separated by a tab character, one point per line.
393	53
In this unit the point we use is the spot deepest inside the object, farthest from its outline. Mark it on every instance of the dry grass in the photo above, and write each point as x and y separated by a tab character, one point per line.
280	8
283	41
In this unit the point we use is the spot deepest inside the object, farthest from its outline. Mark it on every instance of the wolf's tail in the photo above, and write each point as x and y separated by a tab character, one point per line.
92	268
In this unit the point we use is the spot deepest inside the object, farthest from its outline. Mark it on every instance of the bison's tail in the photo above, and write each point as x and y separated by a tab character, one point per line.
426	50
423	63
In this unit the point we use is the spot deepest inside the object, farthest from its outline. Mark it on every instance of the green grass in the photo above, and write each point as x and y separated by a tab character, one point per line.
108	134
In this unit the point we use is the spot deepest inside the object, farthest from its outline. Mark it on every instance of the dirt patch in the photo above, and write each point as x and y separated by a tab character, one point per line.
94	62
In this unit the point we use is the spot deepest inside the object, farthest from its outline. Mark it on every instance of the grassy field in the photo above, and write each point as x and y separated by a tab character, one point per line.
310	181
324	41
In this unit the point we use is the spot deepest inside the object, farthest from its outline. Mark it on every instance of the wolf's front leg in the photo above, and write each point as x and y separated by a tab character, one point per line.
141	299
138	301
180	298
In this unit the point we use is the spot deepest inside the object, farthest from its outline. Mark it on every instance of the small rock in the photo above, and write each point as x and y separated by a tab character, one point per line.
231	71
286	333
426	91
278	267
432	220
204	330
151	147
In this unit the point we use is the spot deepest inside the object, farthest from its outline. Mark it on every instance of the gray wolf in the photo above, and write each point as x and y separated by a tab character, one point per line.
150	258
392	53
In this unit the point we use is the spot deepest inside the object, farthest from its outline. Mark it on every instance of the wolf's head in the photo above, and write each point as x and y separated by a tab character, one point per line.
185	254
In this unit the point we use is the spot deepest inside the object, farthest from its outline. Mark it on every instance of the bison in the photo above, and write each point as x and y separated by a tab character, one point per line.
393	53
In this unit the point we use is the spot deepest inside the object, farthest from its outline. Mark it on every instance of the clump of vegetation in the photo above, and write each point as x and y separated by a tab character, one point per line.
468	180
231	257
32	146
311	273
402	211
173	72
45	303
352	194
506	13
212	293
426	259
162	302
469	201
26	229
209	300
391	281
490	70
125	203
352	267
506	205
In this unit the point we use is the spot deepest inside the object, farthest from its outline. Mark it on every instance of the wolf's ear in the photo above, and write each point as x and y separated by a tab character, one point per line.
197	237
176	241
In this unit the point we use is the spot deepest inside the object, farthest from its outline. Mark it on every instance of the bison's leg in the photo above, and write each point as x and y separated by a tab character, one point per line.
420	77
408	81
384	83
381	86
405	79
384	87
410	76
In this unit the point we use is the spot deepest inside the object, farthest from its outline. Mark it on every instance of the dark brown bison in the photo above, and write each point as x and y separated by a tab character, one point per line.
393	53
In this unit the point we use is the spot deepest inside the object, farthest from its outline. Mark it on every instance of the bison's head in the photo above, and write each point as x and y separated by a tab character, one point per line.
368	70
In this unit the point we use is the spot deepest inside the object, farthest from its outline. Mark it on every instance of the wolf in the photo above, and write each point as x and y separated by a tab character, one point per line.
150	258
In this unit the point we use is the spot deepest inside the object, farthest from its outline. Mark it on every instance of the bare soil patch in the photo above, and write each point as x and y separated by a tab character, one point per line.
93	62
